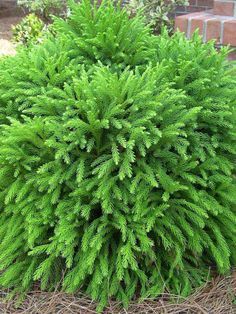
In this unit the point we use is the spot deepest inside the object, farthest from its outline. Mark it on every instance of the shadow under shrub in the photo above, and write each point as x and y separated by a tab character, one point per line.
117	160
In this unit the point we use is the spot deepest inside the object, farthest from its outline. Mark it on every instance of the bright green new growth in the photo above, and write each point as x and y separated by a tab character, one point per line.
117	160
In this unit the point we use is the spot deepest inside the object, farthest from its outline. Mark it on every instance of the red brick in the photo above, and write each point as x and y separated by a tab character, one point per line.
192	2
198	14
205	3
181	8
213	30
225	8
198	23
179	14
181	23
191	8
232	56
229	36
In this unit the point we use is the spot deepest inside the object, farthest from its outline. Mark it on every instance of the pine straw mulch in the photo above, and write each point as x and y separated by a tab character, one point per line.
217	297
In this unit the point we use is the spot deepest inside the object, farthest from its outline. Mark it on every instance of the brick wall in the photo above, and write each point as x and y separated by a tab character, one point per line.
195	6
218	24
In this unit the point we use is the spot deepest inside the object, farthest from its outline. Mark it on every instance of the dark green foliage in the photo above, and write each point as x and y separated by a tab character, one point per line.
117	160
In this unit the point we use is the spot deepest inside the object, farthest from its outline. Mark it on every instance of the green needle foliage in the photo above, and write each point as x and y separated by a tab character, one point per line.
117	160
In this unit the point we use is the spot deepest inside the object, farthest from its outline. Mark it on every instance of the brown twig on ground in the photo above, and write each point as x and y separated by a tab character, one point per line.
217	297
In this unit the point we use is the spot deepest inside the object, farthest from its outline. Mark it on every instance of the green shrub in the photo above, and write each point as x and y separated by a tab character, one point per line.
44	8
29	30
117	160
158	13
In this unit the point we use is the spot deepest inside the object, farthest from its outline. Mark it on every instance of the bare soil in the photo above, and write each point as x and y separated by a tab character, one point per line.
6	25
6	46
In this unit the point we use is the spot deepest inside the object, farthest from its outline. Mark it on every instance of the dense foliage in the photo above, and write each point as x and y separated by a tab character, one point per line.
117	160
29	30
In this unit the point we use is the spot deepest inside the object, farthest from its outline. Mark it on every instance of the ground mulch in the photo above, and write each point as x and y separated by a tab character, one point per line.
6	46
217	297
6	25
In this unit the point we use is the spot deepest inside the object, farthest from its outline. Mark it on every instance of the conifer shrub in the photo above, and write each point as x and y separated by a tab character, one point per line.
117	160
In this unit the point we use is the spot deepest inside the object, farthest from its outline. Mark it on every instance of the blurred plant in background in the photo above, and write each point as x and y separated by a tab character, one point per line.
29	31
158	13
37	24
44	8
